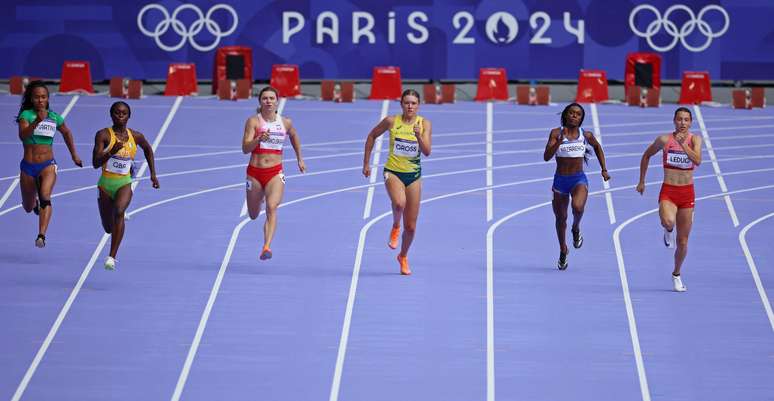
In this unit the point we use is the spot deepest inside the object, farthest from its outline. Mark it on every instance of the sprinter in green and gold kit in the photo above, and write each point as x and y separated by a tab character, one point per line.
410	137
114	151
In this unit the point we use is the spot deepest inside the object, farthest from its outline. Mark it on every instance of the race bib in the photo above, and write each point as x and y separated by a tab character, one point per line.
572	149
679	160
46	128
275	141
405	148
119	165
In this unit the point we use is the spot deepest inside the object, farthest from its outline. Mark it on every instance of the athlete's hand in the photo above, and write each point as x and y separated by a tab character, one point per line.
264	136
417	128
605	175
77	161
116	147
680	137
155	181
301	166
367	170
641	187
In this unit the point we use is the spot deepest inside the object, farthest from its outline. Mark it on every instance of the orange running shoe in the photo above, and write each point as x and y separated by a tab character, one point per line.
404	267
394	234
265	253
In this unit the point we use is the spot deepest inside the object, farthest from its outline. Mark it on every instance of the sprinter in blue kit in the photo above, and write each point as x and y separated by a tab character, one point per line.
569	144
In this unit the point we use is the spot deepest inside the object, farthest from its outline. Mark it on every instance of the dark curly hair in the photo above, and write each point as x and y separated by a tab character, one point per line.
26	102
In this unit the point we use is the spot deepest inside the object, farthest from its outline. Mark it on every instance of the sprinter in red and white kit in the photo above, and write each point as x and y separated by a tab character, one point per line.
681	153
264	138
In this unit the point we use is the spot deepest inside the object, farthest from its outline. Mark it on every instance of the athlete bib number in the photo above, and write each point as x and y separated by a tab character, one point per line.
679	160
405	148
119	165
275	141
45	128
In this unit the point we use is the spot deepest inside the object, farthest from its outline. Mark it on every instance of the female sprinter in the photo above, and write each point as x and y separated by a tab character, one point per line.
114	151
37	126
569	143
264	137
410	134
681	153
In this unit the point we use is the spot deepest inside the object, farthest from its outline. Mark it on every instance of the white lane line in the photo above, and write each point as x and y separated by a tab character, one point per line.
715	165
341	355
375	165
625	285
74	293
490	274
70	106
435	159
605	184
8	192
489	162
219	279
456	144
754	268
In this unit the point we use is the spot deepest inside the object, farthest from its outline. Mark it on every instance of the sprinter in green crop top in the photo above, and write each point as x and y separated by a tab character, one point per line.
37	126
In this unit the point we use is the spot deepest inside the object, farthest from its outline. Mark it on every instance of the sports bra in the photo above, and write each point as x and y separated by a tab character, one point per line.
277	136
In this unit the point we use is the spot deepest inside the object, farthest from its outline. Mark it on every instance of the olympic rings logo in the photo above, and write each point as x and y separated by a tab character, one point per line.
187	33
694	22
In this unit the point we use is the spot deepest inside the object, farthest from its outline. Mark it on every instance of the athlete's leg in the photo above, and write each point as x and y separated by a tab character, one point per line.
413	196
397	193
274	191
684	224
29	191
560	203
47	179
121	203
580	194
667	212
105	205
254	196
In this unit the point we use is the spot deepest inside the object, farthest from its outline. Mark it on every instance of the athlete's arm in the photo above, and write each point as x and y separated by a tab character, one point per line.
654	148
693	153
296	142
68	138
376	132
26	129
424	136
249	141
147	149
100	156
599	152
552	145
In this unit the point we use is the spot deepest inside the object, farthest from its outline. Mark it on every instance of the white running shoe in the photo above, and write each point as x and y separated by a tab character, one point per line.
678	282
110	264
669	238
40	242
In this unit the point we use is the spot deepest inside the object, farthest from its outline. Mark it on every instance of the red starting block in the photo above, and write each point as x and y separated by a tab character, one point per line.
758	97
326	90
18	84
533	95
232	63
386	83
592	86
181	80
134	89
346	92
492	84
431	93
286	79
695	87
229	89
448	92
741	98
76	77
